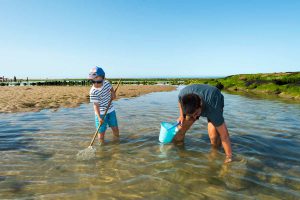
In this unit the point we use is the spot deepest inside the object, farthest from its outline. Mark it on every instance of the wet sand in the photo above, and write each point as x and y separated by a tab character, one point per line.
36	98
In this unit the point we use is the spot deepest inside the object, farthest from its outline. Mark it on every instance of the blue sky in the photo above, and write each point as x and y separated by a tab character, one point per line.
148	38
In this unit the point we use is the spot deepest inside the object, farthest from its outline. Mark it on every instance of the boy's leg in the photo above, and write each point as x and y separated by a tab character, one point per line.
101	137
102	130
214	136
180	135
115	131
113	123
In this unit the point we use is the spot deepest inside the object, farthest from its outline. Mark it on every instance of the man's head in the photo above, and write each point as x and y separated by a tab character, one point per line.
191	106
97	75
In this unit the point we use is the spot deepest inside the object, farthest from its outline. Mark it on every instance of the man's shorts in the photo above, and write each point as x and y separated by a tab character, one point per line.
221	102
110	120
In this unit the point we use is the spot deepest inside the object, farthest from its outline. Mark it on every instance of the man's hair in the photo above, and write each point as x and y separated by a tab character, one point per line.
190	103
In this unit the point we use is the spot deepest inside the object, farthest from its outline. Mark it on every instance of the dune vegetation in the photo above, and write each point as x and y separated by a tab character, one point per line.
285	84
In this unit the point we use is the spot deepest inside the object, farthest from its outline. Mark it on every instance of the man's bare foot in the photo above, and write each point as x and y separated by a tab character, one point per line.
228	159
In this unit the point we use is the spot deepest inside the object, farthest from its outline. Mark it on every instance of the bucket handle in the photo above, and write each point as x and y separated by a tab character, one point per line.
174	125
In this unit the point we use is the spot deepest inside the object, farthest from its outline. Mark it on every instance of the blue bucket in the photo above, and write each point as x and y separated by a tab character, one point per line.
167	132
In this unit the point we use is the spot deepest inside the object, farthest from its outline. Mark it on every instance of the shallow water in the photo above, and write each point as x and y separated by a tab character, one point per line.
38	153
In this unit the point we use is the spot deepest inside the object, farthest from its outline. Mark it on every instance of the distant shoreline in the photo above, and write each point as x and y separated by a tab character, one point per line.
285	85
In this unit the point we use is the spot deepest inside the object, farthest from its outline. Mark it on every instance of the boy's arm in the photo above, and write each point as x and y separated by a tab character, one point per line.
94	98
97	111
222	130
113	93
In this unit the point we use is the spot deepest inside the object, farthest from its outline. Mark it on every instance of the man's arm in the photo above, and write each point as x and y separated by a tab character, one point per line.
181	113
185	126
179	137
222	130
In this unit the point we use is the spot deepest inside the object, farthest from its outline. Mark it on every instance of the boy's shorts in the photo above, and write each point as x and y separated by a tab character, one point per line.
110	120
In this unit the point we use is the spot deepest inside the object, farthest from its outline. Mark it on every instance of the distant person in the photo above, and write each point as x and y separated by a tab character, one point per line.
206	101
100	95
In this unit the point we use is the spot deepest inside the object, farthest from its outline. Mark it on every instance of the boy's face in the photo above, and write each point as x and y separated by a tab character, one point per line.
98	81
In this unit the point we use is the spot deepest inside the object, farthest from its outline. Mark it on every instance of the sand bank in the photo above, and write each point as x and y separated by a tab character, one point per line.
36	98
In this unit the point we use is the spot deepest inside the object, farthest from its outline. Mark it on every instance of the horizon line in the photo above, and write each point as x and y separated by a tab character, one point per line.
154	77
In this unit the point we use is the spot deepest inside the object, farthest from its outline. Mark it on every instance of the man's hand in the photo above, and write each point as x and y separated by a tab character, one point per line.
180	120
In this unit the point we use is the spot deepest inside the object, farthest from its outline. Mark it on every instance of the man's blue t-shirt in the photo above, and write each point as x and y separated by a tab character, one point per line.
213	101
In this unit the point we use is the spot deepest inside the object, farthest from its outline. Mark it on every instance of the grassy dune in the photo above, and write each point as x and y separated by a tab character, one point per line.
286	85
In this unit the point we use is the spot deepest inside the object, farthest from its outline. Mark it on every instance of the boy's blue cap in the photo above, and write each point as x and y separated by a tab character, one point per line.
96	71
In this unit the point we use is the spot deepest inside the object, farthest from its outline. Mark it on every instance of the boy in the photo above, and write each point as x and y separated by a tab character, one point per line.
206	101
100	94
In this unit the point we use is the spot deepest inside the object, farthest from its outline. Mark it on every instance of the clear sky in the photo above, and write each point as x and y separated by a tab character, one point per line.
148	38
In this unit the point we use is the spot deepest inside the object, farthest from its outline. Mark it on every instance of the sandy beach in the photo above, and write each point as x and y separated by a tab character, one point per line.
36	98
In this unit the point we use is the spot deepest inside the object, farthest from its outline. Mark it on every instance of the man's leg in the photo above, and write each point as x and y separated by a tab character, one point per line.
214	136
186	125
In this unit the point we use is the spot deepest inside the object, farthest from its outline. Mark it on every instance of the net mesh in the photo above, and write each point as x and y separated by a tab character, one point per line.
86	154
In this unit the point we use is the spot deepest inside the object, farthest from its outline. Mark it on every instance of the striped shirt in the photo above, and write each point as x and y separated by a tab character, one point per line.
102	96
